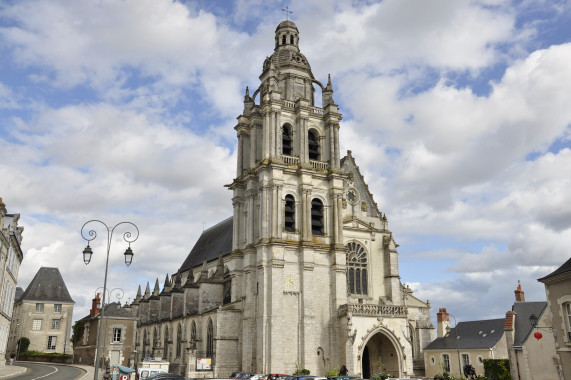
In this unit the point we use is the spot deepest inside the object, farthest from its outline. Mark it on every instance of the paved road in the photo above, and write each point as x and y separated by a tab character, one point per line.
48	371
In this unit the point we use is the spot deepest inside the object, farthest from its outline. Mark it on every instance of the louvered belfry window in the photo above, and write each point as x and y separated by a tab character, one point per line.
316	217
286	141
357	269
313	145
289	213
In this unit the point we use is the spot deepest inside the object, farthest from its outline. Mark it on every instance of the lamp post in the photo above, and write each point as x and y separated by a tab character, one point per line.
129	236
119	295
456	340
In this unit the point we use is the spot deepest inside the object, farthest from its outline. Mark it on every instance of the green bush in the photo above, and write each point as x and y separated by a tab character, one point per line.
24	344
497	369
332	372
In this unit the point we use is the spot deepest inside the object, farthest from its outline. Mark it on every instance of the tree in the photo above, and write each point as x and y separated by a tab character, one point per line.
23	343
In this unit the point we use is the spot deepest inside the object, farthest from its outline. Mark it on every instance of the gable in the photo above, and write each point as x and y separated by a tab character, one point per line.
356	182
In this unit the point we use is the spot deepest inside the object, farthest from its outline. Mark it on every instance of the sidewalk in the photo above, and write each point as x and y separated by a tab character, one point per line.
9	371
12	370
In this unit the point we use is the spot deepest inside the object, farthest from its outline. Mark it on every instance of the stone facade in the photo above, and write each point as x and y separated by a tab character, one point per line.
558	291
44	314
306	272
11	257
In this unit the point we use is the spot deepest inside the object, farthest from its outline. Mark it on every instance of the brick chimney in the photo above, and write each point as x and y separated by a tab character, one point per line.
510	315
519	294
94	309
443	321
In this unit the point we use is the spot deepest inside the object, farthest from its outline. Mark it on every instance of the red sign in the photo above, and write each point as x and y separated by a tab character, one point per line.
538	335
124	377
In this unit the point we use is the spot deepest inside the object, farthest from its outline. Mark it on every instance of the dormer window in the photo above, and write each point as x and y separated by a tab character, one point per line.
313	145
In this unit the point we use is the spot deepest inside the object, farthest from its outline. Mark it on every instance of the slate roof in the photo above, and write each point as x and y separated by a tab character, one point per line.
19	292
47	285
523	311
566	267
213	241
471	335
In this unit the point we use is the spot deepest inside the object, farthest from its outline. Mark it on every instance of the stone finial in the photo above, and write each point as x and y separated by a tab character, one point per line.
138	297
147	291
190	280
247	95
329	84
156	290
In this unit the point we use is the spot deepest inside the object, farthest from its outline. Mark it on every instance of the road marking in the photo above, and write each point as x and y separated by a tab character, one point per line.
51	373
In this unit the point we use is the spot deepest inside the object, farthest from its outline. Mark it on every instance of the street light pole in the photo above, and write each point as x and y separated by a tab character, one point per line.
456	340
129	236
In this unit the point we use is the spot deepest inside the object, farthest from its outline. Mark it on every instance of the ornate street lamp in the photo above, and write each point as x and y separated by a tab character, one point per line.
129	236
457	346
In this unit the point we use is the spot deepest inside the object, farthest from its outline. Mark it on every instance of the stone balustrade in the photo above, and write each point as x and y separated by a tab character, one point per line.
373	310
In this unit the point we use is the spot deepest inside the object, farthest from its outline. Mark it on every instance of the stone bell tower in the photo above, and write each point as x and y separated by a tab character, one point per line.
287	224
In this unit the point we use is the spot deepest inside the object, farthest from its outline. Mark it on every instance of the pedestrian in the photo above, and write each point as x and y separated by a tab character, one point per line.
343	371
12	356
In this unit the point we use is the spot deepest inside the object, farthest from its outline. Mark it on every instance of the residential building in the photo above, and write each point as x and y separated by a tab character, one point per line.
467	343
305	273
11	257
558	291
117	338
43	314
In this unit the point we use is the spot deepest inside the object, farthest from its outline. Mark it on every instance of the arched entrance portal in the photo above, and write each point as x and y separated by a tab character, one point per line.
380	351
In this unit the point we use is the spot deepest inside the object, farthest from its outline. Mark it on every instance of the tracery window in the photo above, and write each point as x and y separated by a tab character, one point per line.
289	213
316	217
166	340
357	269
313	145
178	341
210	340
193	332
286	140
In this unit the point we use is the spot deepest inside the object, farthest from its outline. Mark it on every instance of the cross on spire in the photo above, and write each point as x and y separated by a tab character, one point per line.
287	12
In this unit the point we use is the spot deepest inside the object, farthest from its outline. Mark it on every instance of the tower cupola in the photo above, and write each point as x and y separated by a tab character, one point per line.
287	36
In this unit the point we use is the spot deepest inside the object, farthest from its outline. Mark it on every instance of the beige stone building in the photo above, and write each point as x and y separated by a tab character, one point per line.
467	343
558	291
11	257
305	273
117	339
43	314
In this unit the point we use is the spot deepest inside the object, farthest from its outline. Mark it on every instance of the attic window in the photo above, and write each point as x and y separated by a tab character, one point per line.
484	335
480	332
493	331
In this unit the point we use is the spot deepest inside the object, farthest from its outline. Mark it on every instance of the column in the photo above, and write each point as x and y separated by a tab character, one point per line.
336	131
279	211
253	145
240	159
265	135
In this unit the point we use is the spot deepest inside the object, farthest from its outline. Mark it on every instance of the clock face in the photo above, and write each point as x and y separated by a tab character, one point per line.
291	281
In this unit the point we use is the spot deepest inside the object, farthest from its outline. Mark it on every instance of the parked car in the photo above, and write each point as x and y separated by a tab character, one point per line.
246	375
235	375
166	376
145	373
257	376
276	376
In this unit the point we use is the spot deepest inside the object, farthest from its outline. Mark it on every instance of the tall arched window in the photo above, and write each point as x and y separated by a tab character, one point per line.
316	217
166	343
193	332
357	269
210	340
313	145
178	340
289	213
291	39
145	343
283	39
156	338
286	140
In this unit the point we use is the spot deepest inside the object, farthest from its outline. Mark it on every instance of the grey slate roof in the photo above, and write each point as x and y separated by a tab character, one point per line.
213	241
471	335
47	285
522	326
566	267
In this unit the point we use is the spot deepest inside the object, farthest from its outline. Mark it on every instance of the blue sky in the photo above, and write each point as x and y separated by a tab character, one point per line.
457	112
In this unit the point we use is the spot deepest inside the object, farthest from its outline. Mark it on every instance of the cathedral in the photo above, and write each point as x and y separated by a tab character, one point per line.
305	273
